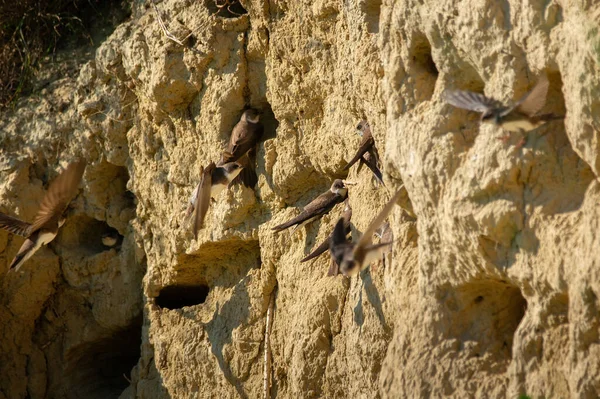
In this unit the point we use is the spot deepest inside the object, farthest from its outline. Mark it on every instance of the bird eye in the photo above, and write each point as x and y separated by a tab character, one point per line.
359	127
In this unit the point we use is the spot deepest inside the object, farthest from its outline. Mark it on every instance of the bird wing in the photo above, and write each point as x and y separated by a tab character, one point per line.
364	243
370	159
59	194
248	175
203	197
470	101
365	145
318	207
14	225
244	136
533	102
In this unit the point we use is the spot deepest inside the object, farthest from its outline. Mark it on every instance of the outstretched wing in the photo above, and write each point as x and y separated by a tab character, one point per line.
14	225
59	194
470	101
533	102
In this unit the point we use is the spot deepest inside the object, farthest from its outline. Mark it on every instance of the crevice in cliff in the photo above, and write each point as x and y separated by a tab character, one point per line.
422	68
179	296
100	369
372	8
486	314
225	8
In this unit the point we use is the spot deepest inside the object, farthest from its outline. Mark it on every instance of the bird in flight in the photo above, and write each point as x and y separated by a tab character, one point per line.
519	117
49	217
348	257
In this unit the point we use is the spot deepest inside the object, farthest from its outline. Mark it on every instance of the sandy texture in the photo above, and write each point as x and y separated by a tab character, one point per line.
492	286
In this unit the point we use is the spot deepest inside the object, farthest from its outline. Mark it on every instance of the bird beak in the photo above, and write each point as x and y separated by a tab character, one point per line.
349	183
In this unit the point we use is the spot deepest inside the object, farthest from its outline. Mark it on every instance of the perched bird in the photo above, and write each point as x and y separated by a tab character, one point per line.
349	258
519	117
49	217
214	180
242	145
110	239
367	152
317	207
325	244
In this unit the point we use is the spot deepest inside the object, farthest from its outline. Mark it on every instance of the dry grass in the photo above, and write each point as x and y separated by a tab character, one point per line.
30	29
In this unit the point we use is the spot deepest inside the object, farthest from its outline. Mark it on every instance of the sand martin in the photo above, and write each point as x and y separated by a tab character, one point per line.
351	258
49	217
367	152
519	117
214	180
242	145
346	215
317	207
110	239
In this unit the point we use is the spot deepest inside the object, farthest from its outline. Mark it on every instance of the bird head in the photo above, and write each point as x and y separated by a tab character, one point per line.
338	187
349	267
232	169
362	127
251	115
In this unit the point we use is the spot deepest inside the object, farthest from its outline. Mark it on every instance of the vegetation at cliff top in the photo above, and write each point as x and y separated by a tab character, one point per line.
31	29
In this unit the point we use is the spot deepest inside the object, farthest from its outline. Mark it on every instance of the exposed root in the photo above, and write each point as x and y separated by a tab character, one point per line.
267	359
169	35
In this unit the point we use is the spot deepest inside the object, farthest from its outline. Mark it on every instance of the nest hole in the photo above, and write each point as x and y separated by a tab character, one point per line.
100	369
87	234
423	68
179	296
487	312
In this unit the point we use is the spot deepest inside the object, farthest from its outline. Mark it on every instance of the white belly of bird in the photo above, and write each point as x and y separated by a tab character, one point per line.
45	238
216	190
519	125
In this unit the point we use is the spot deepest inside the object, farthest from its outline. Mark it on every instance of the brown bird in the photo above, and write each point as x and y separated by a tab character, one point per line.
350	258
49	217
317	207
367	151
214	180
325	244
242	145
519	117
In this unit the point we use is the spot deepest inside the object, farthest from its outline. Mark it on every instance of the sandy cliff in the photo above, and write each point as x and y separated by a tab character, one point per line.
493	283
